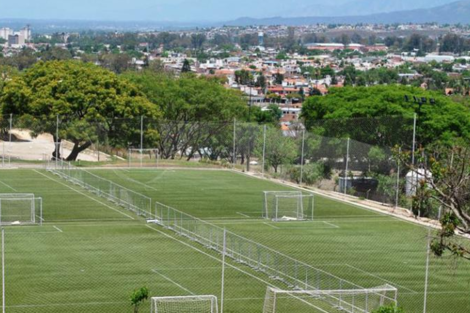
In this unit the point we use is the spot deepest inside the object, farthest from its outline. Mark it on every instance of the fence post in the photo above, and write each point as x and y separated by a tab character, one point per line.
264	148
3	270
234	157
397	195
414	140
345	183
224	249
57	145
141	138
302	158
428	252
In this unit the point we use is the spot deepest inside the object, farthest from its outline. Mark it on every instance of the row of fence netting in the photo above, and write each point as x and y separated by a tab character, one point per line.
71	268
289	272
352	156
122	196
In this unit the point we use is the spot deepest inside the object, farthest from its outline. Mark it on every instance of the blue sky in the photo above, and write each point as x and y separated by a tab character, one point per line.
197	10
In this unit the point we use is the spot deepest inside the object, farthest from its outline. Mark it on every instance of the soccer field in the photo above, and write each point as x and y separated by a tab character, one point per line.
90	254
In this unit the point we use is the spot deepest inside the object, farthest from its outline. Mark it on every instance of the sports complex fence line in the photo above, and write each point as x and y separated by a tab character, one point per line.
126	198
295	274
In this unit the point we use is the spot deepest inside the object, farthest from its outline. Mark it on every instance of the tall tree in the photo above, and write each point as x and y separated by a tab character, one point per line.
186	66
88	100
194	110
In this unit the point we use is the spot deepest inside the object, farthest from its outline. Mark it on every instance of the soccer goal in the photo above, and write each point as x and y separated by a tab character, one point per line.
351	301
20	208
143	157
288	206
185	304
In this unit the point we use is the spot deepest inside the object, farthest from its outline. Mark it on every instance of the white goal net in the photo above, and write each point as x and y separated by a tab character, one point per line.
185	304
351	301
20	208
288	206
142	157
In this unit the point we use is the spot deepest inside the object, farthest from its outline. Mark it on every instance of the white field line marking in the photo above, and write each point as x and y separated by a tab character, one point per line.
330	224
243	214
173	282
32	232
60	304
271	225
5	184
187	268
382	279
133	180
228	264
84	194
60	230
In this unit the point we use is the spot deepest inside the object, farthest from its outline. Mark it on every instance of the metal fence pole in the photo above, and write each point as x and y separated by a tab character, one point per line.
414	140
141	138
57	147
264	148
3	270
234	159
345	183
224	249
302	158
397	193
11	127
428	252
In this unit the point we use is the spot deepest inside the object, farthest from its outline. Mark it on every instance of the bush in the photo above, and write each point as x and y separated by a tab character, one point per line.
312	173
389	309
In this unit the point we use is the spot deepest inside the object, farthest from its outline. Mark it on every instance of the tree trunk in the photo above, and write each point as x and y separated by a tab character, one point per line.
77	149
56	152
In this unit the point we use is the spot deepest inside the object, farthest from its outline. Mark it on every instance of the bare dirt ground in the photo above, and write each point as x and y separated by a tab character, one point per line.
40	148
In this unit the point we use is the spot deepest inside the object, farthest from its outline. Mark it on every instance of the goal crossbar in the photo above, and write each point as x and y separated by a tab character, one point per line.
288	206
183	304
20	208
346	300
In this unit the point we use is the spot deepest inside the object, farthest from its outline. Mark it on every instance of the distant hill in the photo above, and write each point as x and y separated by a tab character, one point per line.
452	13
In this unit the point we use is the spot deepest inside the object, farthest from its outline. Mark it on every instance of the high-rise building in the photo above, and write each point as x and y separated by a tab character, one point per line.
5	32
26	33
261	39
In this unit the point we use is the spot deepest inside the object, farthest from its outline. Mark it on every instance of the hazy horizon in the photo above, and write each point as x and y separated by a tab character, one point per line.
202	10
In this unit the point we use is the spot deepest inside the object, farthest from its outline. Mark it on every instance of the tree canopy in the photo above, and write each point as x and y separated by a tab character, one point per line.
193	109
370	109
89	100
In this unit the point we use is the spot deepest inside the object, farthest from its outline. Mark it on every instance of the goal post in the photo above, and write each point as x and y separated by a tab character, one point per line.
20	208
184	304
344	300
143	157
288	206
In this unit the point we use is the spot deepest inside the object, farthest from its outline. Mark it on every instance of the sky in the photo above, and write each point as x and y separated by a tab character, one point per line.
197	10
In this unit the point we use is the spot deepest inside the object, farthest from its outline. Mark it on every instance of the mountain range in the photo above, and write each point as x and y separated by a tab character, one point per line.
450	13
294	12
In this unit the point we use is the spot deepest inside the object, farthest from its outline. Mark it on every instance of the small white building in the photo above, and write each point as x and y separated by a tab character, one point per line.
413	178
